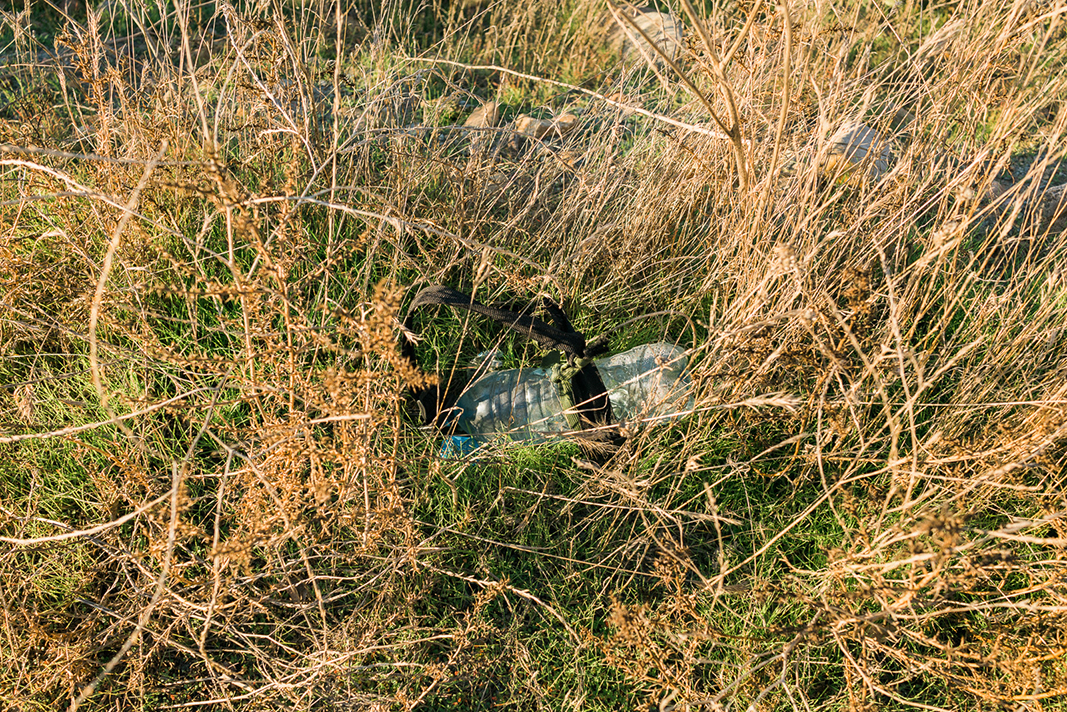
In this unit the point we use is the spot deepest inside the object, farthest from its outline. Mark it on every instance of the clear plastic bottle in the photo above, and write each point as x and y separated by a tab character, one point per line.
645	384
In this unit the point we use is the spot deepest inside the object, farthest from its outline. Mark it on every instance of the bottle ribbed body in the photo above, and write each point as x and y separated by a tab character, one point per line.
646	383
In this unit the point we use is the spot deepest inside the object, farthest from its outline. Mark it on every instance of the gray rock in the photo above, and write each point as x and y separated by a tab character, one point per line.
857	145
664	29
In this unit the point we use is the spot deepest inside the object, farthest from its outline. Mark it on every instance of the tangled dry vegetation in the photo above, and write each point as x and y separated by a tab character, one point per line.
211	493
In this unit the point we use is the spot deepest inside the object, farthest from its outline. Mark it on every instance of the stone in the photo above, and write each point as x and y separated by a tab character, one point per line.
527	129
565	123
531	127
664	29
485	116
857	145
546	128
1053	207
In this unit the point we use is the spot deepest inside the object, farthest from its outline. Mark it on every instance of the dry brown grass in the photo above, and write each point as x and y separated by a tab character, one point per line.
211	495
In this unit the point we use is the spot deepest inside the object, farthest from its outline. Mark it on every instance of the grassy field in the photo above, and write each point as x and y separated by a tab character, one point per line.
213	494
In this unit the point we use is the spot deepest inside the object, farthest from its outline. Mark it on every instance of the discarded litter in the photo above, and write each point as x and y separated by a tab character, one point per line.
585	394
644	384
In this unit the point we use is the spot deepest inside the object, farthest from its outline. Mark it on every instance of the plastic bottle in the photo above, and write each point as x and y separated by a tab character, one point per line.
645	384
648	382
